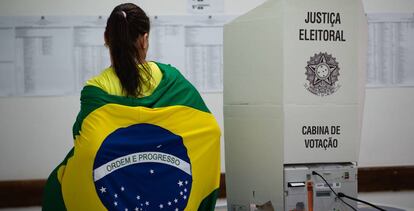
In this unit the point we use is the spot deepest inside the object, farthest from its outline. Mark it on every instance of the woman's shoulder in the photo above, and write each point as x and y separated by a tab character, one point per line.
169	71
107	80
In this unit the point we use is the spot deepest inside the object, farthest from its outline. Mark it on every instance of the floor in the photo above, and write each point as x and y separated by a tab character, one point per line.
403	200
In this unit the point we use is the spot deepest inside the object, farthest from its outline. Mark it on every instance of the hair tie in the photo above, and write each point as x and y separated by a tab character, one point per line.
124	13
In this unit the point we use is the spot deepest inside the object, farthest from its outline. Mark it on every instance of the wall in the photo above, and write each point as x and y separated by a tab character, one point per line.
387	137
387	134
35	132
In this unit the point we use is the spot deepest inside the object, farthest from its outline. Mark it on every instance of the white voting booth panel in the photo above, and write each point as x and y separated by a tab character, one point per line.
293	94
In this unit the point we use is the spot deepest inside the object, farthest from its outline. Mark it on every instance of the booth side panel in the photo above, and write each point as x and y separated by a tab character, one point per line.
253	114
254	156
253	58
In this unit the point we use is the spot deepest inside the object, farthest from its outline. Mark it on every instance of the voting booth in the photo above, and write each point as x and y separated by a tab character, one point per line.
294	75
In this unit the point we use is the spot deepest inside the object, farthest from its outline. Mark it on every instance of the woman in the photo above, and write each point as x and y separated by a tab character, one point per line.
143	140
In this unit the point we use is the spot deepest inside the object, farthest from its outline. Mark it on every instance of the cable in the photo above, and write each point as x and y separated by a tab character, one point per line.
316	173
359	200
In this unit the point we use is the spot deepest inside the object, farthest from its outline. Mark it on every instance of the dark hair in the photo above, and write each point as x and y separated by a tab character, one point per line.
126	24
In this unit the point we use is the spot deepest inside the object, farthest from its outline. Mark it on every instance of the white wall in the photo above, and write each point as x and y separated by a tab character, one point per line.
104	7
35	132
387	133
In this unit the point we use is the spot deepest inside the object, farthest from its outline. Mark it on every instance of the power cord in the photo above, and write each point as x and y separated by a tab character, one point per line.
316	173
340	195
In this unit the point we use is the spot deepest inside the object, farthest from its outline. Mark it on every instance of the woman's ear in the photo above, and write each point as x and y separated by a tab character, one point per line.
106	40
144	41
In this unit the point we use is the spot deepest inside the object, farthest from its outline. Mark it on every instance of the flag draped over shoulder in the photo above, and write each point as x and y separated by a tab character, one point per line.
160	152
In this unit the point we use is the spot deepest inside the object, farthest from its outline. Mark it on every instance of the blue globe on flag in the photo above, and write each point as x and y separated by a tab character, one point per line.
143	167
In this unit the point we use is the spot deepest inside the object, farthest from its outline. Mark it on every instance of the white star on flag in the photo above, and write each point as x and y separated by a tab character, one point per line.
136	209
186	182
161	206
151	171
181	193
122	188
126	209
180	183
175	200
138	197
169	203
146	203
103	190
185	190
116	195
176	209
116	204
184	197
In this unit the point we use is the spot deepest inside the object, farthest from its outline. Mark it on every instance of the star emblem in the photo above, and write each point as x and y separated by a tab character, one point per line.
180	183
116	204
322	71
147	203
138	197
122	188
152	171
175	200
103	190
161	206
116	195
169	203
136	209
184	197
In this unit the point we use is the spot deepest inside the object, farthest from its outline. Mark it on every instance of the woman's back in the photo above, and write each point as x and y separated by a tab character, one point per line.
143	139
156	152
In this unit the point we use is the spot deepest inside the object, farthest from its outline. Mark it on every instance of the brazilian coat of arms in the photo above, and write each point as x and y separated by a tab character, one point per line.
322	73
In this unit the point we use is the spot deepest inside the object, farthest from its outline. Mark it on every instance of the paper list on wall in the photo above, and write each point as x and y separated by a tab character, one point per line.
406	49
390	50
43	60
166	45
204	57
7	74
91	56
381	53
55	55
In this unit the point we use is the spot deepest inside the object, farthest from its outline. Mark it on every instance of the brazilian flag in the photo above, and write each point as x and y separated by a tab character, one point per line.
159	152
